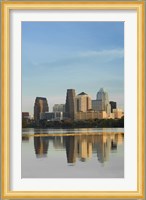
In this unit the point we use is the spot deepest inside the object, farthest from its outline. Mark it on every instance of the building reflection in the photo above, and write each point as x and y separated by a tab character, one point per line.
58	142
71	148
103	148
113	146
41	145
25	138
81	147
119	138
84	146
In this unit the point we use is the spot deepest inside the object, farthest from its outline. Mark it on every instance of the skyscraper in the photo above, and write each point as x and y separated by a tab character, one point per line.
103	101
40	106
70	103
82	102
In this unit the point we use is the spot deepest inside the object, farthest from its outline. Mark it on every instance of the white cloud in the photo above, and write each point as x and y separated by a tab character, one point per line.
102	56
115	53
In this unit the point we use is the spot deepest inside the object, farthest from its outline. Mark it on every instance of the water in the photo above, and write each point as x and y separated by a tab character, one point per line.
73	153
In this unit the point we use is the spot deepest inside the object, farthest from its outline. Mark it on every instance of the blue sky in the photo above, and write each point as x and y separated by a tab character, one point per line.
84	56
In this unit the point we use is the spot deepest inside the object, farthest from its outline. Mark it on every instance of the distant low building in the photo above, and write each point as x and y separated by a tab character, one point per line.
25	119
86	115
58	116
25	115
51	116
111	116
102	115
59	108
118	113
47	116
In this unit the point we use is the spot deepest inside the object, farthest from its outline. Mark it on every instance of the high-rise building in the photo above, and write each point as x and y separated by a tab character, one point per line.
40	106
113	105
82	102
95	105
103	101
59	108
70	103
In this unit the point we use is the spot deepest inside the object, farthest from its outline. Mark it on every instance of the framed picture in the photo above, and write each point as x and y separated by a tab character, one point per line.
73	99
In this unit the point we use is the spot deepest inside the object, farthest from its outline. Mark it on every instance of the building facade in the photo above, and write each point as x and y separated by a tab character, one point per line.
113	105
70	103
25	118
103	101
25	115
52	116
118	113
86	115
95	105
40	106
82	102
59	108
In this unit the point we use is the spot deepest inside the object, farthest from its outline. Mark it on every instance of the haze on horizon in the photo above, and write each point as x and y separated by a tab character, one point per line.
84	56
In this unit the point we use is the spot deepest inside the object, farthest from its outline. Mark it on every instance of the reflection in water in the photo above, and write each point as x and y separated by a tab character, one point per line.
113	146
70	144
58	142
103	148
25	138
80	147
41	145
73	153
85	148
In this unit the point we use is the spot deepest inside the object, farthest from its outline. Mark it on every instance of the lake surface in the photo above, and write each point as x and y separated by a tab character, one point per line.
73	153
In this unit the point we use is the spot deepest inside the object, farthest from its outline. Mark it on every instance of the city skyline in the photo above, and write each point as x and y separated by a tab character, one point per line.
81	55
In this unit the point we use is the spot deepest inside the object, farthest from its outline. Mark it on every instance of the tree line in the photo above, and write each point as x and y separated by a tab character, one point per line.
90	123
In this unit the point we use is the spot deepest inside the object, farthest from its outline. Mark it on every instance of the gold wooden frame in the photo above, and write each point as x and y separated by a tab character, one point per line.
6	7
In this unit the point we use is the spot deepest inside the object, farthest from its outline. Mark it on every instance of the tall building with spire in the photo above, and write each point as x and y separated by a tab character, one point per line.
40	106
70	103
103	101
